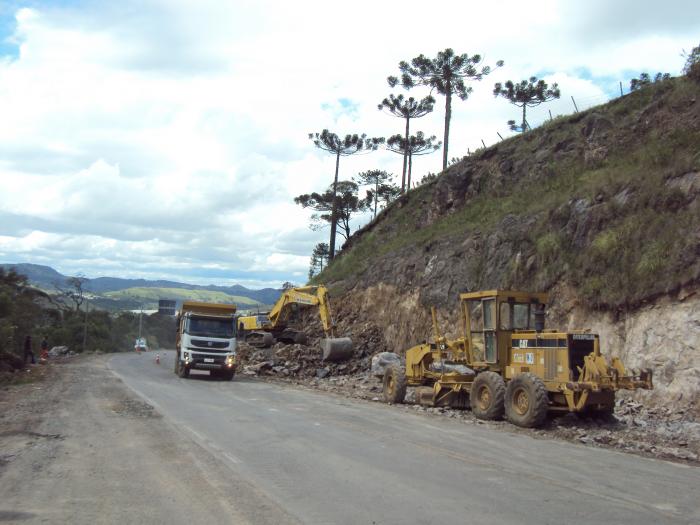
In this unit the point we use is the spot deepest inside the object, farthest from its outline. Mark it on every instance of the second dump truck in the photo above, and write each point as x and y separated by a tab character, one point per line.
507	363
206	339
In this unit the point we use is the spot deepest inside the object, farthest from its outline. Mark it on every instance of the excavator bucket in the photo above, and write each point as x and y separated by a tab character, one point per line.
336	348
260	339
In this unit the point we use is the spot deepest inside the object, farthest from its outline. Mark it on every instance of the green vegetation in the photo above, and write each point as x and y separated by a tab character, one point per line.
150	296
635	232
25	310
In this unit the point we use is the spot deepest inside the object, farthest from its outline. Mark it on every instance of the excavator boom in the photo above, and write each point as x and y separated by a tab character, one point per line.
334	348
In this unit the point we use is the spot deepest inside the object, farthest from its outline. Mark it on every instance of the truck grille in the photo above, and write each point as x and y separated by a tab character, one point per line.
207	350
209	344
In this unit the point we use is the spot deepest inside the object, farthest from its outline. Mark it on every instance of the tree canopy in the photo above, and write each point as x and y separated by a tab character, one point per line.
319	259
341	147
524	94
406	108
645	79
417	144
344	200
448	74
383	189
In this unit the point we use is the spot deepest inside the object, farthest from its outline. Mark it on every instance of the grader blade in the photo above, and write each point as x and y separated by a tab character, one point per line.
336	348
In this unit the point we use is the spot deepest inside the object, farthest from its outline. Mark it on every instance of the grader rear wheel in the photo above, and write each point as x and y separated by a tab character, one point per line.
486	397
527	401
394	384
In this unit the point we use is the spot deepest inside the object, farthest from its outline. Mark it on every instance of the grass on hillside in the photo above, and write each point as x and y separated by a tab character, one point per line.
643	248
154	294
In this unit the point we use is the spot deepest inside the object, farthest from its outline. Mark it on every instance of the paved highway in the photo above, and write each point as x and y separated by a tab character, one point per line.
325	459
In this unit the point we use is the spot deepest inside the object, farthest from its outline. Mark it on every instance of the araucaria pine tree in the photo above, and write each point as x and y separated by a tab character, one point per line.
527	93
344	147
417	144
407	109
447	74
382	186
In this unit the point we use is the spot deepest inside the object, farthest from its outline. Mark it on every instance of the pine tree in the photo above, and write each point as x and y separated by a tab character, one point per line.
350	145
319	259
446	74
380	180
527	93
342	203
407	109
417	144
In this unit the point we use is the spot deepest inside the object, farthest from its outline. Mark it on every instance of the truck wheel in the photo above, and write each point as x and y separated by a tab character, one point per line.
394	384
486	396
183	371
228	375
527	401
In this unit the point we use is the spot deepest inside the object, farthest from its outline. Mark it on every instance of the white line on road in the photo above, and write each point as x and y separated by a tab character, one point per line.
232	458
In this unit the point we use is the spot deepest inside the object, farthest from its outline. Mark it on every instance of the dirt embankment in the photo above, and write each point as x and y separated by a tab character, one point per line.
600	209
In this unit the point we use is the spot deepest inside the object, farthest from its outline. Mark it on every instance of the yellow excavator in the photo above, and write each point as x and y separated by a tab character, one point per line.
264	329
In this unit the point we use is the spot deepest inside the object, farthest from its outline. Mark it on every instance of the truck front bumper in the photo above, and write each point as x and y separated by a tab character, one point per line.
210	362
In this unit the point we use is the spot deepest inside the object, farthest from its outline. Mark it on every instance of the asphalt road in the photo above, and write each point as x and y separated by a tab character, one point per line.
326	459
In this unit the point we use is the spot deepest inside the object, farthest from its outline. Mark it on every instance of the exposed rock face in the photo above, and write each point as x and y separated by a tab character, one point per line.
664	336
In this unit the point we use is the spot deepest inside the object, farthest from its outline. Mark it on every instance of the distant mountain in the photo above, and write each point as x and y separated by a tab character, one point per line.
47	278
40	276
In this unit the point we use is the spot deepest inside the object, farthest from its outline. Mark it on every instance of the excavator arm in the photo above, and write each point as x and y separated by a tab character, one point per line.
303	296
334	348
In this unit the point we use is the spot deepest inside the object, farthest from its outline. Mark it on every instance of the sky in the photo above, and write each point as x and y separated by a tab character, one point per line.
167	139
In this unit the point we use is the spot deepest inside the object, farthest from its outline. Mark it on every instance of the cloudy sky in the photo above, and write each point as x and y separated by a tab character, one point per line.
168	138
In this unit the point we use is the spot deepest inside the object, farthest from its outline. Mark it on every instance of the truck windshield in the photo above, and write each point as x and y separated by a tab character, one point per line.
210	327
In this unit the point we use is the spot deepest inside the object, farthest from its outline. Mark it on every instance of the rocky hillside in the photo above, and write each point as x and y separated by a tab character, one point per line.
599	208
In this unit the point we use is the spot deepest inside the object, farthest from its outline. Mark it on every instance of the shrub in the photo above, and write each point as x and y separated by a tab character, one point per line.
692	64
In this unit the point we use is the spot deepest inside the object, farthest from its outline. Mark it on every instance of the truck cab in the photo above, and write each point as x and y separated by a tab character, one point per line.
206	339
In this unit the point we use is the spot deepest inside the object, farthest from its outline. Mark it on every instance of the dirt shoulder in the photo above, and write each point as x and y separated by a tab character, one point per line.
79	447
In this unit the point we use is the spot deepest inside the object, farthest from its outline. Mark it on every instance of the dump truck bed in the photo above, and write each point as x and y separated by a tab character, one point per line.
208	308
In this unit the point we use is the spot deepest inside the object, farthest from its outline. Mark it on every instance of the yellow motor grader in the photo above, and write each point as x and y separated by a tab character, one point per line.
507	363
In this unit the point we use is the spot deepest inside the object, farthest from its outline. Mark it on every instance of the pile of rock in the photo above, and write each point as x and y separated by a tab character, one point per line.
296	361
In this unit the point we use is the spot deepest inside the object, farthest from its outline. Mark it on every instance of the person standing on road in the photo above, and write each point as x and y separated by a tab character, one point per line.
28	349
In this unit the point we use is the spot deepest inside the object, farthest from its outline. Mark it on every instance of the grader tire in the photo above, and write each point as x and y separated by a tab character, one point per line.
527	401
394	384
486	396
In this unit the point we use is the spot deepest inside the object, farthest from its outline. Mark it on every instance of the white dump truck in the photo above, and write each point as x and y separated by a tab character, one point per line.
206	339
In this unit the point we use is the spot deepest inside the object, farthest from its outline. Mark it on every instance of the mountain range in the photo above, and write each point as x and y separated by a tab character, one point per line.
136	291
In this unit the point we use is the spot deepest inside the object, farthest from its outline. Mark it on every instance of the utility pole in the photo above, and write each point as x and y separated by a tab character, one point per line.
140	320
87	307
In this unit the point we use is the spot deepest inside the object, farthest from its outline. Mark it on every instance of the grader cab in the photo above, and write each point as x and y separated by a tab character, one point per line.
507	363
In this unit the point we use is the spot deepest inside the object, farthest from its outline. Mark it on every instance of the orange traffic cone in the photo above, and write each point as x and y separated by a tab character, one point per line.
157	359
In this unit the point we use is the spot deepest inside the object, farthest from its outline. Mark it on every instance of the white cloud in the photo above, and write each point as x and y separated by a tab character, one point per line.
168	138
